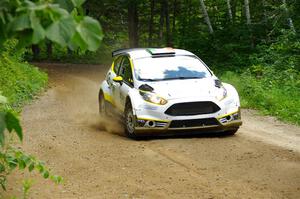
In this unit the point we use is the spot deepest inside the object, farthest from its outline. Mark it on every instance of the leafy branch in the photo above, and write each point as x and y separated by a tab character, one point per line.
34	21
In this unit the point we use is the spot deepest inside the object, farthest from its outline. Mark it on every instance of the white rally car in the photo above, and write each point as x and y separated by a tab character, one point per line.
166	90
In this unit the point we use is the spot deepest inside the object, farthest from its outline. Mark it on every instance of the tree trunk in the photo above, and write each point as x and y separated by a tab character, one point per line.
289	19
265	16
133	24
168	35
229	10
35	51
151	23
248	22
49	49
265	20
183	10
174	18
234	10
161	20
70	52
247	12
206	17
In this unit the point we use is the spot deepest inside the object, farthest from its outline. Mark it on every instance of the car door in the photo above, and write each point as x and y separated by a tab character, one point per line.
125	72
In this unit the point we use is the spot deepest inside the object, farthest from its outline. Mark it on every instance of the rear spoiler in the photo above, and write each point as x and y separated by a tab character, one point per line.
155	52
124	50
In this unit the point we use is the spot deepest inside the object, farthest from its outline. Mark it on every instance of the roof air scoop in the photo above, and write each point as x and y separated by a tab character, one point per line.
161	52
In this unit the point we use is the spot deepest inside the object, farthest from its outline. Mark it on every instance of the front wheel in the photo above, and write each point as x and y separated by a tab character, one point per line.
130	121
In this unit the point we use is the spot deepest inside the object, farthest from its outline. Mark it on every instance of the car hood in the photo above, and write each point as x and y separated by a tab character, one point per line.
173	89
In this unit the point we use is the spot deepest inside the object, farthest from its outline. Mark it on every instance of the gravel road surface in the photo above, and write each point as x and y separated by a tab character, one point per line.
64	129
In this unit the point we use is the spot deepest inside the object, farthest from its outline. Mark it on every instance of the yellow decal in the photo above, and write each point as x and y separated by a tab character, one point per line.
113	66
109	98
228	114
131	64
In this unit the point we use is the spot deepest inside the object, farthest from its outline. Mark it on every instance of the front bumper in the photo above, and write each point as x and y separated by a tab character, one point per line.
153	118
227	122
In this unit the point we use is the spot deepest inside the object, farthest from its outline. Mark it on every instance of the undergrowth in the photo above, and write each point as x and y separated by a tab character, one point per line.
272	83
19	81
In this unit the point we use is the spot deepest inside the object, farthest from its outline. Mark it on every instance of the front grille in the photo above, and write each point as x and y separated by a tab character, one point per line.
192	108
194	123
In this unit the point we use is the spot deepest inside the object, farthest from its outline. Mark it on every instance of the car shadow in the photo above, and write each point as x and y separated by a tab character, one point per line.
182	135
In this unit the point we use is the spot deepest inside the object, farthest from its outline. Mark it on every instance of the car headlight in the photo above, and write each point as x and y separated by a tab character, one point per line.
153	98
221	93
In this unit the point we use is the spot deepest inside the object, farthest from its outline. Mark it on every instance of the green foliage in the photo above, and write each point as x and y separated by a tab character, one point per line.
272	83
282	54
19	81
34	21
88	34
9	121
26	187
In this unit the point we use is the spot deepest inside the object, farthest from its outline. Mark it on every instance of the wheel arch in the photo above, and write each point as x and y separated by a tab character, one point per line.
100	93
105	90
130	99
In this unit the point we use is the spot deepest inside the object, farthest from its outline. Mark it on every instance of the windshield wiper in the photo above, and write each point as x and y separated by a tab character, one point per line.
148	80
170	78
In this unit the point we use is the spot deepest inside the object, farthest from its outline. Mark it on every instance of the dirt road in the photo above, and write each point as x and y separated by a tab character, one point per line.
63	128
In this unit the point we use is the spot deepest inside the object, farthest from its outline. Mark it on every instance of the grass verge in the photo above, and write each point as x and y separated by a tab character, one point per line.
279	100
20	81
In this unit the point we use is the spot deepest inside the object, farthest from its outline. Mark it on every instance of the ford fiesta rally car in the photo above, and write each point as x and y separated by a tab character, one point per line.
165	89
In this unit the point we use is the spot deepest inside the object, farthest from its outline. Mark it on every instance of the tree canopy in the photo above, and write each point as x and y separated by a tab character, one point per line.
213	29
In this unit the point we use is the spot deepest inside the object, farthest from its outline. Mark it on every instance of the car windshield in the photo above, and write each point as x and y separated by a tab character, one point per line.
169	68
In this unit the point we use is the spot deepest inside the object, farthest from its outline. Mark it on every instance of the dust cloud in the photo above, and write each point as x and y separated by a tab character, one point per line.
110	125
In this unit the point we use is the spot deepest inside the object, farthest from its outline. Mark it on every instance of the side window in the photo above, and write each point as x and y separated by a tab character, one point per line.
117	64
125	71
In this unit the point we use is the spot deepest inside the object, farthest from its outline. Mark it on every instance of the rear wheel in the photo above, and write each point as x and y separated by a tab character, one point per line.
130	121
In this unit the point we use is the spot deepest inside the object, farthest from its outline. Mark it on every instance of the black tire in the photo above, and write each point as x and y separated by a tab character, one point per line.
102	105
130	122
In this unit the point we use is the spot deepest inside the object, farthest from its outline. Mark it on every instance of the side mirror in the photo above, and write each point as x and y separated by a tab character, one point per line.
118	79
